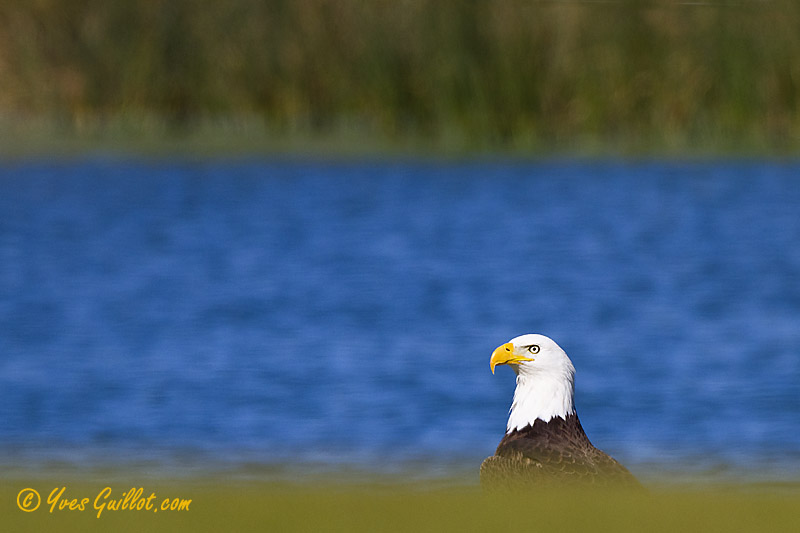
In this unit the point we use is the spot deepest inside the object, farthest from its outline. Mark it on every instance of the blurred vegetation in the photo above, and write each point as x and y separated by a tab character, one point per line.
516	75
250	506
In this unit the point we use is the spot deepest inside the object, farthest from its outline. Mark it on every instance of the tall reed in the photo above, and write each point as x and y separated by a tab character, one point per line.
512	74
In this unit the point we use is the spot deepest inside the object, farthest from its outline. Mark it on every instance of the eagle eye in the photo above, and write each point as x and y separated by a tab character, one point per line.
533	348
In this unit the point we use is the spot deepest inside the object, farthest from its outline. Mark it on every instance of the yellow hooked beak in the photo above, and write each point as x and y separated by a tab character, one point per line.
504	355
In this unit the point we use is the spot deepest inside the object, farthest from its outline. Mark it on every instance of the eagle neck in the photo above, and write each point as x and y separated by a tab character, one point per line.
541	396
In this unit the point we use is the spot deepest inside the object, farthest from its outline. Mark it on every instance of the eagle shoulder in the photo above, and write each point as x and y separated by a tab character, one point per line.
554	452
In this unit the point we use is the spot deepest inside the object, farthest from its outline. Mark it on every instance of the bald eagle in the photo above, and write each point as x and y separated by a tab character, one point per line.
544	442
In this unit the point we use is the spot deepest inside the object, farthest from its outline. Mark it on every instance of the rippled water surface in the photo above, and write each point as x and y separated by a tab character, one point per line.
267	313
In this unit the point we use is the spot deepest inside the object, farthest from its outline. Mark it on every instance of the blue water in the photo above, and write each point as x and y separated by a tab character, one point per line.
258	314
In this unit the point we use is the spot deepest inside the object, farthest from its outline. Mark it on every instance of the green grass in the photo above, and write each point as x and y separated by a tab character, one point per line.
219	505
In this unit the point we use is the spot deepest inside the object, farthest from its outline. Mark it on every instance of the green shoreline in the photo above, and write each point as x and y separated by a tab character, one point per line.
43	138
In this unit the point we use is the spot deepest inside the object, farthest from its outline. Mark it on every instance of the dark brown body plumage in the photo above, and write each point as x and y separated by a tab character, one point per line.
548	453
